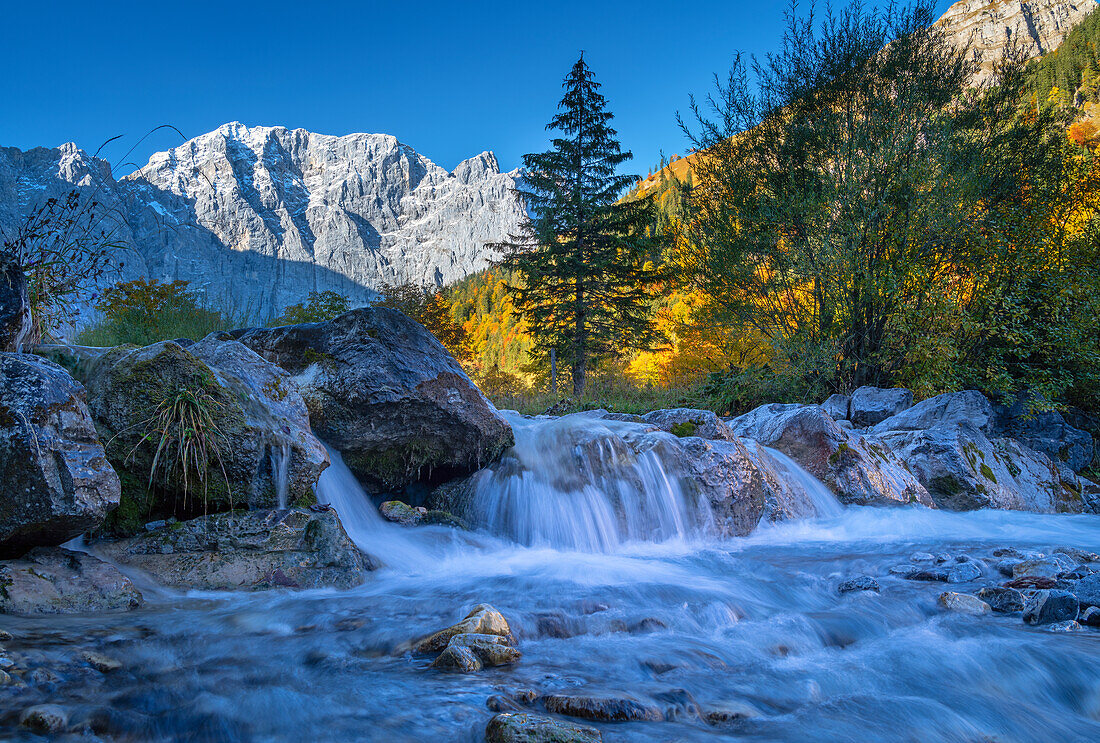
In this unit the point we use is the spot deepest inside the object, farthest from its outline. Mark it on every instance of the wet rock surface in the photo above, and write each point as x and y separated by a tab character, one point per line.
529	728
248	550
53	468
1050	606
15	308
871	405
52	580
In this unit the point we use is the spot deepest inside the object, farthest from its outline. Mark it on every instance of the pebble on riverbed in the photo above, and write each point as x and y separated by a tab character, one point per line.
483	639
44	718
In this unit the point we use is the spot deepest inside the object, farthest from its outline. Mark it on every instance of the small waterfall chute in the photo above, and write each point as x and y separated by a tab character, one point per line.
812	492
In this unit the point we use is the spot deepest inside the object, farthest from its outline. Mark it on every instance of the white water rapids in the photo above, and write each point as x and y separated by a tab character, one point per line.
615	584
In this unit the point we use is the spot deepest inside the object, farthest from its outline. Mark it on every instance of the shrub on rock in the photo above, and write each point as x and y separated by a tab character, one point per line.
201	429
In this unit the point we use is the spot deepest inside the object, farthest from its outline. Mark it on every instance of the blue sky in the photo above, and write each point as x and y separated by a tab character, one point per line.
450	79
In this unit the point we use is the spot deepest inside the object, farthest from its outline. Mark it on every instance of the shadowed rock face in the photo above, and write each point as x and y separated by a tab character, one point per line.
387	395
15	312
248	550
262	216
988	27
55	477
51	580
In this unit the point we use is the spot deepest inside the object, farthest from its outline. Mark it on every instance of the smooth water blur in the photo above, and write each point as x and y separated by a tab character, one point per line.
687	622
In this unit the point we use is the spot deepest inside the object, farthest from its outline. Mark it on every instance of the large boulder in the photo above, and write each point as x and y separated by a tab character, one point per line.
52	580
949	409
386	394
1046	431
859	471
259	451
837	407
248	550
57	482
15	307
871	405
964	469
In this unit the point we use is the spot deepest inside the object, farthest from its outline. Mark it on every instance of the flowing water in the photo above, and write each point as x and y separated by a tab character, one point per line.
645	604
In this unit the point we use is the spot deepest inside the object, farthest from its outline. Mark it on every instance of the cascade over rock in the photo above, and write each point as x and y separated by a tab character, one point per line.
266	455
387	395
261	216
859	471
55	478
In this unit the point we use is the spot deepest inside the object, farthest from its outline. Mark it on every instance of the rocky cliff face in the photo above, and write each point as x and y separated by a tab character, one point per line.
259	217
989	27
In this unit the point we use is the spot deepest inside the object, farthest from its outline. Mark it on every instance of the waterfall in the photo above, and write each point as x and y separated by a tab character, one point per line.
575	483
280	467
813	491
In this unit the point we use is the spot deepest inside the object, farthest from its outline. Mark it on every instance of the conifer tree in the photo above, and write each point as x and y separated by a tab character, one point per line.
583	258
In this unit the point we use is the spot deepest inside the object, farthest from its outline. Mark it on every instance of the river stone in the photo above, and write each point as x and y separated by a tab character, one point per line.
601	709
1090	616
1066	626
1088	590
458	658
1002	600
1050	606
1006	566
686	422
248	550
491	650
871	405
950	409
264	446
483	619
15	306
963	572
963	603
904	570
528	728
57	482
858	470
1077	555
1048	567
100	662
52	580
400	513
861	583
47	719
837	407
385	393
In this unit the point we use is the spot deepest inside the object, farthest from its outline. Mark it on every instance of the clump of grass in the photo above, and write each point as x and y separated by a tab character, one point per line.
188	442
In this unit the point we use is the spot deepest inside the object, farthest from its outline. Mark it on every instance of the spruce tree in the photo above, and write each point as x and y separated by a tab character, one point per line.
583	256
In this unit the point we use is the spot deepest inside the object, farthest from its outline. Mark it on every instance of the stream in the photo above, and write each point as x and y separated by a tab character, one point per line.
651	607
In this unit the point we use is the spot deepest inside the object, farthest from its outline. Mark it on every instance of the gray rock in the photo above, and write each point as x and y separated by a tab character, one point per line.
963	469
58	482
483	619
963	603
922	557
316	212
871	405
1066	626
263	453
248	550
386	394
1088	590
950	409
1078	555
963	572
601	708
528	728
48	719
861	583
1051	606
1045	566
1002	600
1090	616
1005	567
52	580
904	570
458	658
15	307
837	407
859	471
688	422
930	574
1046	431
491	650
